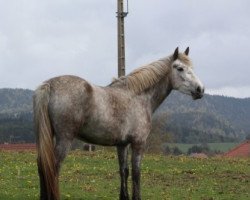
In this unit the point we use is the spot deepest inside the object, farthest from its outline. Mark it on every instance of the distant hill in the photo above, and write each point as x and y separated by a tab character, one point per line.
211	119
16	117
224	118
14	101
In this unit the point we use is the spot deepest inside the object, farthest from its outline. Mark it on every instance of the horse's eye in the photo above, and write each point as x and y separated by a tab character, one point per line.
180	69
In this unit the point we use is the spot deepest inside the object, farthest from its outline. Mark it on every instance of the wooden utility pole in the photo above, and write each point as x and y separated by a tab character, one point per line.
121	37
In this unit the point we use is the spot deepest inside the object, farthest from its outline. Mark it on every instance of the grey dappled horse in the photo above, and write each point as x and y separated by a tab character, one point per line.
119	114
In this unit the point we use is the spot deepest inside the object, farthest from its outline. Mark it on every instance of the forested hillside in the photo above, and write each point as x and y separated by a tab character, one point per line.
16	120
211	119
13	101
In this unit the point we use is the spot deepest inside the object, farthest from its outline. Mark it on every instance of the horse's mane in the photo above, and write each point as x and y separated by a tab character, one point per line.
144	77
147	76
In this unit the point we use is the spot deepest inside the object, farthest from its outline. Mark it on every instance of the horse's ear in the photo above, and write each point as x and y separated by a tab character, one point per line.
176	53
187	51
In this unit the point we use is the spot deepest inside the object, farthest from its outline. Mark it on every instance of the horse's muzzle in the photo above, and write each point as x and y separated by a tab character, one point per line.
198	94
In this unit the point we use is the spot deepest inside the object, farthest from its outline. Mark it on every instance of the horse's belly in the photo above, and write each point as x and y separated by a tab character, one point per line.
100	135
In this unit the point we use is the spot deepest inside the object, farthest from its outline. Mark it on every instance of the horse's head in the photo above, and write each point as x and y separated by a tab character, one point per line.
182	75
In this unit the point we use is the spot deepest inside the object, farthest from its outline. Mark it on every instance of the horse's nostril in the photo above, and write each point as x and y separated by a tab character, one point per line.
198	89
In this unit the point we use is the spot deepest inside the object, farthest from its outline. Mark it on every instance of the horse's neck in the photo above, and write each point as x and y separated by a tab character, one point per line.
158	93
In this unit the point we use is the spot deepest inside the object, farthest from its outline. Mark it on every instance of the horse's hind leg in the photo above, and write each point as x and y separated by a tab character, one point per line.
122	152
62	146
61	149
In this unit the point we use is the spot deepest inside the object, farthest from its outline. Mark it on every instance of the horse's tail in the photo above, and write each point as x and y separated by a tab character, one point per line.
45	146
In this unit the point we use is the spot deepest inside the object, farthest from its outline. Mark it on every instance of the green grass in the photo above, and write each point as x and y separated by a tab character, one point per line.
222	147
95	176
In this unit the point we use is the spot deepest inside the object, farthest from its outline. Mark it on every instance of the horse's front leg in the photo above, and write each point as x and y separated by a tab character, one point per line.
122	152
137	150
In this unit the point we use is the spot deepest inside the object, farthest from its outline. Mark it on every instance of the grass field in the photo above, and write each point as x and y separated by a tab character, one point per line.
95	176
221	147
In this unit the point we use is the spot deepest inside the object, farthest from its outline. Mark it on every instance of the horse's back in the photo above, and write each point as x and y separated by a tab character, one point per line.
68	84
69	89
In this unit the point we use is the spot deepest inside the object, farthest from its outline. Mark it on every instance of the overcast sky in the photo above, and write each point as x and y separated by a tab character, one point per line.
40	39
